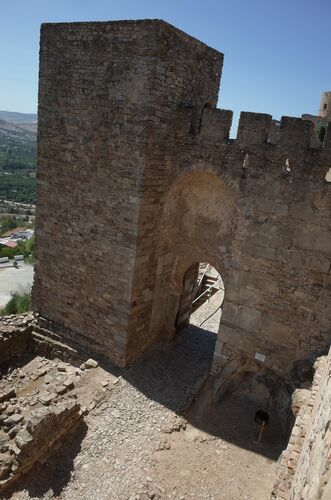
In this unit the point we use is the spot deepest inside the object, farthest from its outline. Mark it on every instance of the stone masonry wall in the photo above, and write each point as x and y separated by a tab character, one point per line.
106	96
149	183
266	229
188	76
305	468
92	108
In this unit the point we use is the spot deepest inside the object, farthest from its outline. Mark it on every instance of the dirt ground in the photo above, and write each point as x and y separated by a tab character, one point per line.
152	436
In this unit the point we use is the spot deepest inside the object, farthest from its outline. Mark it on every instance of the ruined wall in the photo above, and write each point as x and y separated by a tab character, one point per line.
131	143
305	469
15	337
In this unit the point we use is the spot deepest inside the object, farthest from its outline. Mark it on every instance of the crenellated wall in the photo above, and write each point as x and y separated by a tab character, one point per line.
264	224
138	180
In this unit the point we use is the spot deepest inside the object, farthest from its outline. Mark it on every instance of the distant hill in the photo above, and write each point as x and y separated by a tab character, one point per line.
29	126
21	131
18	147
13	117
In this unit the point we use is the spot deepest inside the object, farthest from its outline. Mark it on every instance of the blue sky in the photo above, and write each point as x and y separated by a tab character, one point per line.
277	52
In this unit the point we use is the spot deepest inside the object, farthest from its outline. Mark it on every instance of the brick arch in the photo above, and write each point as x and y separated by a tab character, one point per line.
198	114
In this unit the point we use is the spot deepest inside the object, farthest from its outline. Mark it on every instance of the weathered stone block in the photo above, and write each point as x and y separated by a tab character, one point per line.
236	338
230	312
278	332
249	319
253	128
215	124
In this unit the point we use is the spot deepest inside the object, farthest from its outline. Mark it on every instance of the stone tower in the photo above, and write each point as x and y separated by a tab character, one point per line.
325	106
108	95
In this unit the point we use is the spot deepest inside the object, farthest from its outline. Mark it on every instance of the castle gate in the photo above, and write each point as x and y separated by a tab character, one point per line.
138	179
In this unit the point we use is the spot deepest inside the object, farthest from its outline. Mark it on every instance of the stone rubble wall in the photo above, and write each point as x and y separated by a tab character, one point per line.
15	336
27	440
20	336
40	403
305	467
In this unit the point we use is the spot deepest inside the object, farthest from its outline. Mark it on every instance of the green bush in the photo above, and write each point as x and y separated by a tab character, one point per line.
7	222
321	129
19	303
16	187
29	250
9	252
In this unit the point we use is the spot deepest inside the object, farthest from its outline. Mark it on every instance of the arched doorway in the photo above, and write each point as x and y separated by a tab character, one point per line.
202	298
199	218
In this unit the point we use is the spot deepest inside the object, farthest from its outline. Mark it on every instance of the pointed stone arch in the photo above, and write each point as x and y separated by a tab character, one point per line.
199	220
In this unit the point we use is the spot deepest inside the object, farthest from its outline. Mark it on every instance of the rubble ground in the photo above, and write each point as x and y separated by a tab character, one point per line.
148	435
41	400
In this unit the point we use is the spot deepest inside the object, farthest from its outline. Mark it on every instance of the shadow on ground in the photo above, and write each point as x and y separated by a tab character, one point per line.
172	374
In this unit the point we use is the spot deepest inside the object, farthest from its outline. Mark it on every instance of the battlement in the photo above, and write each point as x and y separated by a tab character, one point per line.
295	133
327	141
216	123
254	129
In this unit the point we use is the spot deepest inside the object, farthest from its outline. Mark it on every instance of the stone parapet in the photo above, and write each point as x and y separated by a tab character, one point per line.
305	468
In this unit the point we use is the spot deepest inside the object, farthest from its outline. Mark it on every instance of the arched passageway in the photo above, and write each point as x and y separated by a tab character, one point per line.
202	223
199	219
202	298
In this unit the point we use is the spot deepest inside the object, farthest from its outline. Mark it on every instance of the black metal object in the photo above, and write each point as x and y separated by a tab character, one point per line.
261	417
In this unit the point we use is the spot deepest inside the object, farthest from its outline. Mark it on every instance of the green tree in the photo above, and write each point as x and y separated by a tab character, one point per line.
7	222
29	250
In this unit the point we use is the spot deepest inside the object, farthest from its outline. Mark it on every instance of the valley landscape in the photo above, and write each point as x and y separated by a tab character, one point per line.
18	151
